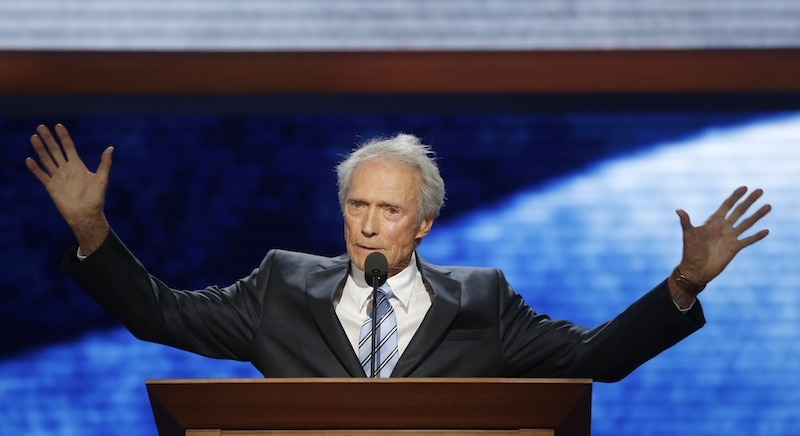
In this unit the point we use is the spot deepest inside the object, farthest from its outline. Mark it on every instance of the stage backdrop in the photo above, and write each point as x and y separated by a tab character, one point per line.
577	206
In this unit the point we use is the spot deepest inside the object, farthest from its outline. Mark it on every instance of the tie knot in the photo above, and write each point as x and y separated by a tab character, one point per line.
386	290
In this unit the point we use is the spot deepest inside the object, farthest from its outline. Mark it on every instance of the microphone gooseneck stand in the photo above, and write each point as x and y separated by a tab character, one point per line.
374	351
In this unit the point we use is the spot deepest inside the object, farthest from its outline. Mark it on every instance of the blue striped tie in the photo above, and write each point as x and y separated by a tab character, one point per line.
386	354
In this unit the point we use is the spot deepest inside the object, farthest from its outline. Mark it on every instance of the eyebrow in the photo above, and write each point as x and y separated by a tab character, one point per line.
379	203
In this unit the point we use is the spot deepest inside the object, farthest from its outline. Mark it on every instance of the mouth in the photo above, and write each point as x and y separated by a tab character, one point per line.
365	248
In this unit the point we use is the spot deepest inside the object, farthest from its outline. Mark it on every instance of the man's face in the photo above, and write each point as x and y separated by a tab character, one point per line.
380	213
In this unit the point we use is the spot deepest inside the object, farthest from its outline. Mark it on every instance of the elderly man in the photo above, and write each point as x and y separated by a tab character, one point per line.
300	315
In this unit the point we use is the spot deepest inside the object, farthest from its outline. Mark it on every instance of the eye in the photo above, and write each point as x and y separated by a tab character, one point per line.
356	204
392	210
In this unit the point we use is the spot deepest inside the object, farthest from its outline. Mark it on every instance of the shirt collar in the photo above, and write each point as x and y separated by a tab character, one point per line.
401	283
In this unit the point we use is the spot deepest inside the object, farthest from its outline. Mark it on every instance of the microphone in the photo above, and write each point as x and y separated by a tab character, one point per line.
375	272
375	268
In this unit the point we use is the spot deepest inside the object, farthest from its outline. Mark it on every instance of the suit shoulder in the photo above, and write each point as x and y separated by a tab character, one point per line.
282	256
467	272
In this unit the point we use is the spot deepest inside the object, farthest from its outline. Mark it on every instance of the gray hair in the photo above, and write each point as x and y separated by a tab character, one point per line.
406	149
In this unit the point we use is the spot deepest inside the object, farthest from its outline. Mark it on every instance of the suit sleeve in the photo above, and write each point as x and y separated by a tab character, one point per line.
215	322
536	346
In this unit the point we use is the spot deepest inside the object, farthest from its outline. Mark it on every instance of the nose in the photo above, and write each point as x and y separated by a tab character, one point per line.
369	223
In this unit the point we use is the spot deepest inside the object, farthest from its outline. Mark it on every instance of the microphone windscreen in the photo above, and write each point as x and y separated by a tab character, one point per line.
375	267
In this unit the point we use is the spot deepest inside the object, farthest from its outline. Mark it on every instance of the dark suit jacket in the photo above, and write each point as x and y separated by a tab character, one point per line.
281	318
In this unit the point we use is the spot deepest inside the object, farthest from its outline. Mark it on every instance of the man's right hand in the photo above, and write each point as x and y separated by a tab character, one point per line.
78	193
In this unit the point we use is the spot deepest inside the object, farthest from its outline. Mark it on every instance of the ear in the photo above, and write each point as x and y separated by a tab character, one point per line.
424	227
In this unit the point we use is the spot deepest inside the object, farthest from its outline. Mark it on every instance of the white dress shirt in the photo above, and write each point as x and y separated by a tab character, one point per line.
410	301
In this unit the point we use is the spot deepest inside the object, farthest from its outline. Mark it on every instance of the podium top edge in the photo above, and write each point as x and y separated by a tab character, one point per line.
337	380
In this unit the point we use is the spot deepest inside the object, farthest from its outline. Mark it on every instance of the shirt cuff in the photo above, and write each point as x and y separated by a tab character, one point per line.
673	301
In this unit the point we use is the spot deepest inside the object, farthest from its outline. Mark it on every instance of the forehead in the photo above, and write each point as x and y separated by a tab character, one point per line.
384	180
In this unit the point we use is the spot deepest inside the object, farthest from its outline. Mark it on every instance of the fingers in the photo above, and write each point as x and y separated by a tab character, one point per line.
51	154
37	172
686	223
741	209
743	206
41	152
752	239
105	163
51	145
752	219
720	215
728	204
66	142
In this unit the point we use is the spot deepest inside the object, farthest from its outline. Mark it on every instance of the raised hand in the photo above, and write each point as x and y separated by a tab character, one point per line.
709	248
79	194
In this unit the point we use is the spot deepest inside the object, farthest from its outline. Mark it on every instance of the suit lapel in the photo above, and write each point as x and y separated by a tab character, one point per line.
321	289
446	303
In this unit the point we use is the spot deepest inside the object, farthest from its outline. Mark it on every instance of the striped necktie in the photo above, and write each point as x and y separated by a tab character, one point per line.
386	354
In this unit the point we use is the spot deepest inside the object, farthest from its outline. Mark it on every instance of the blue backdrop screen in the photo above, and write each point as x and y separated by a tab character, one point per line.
575	203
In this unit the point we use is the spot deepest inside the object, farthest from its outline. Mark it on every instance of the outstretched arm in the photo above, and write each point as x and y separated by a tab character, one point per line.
709	248
78	193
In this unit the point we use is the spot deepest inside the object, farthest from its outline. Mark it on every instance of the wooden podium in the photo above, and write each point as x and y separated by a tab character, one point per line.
335	406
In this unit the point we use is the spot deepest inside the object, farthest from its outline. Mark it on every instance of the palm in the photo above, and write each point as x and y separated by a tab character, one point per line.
76	190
